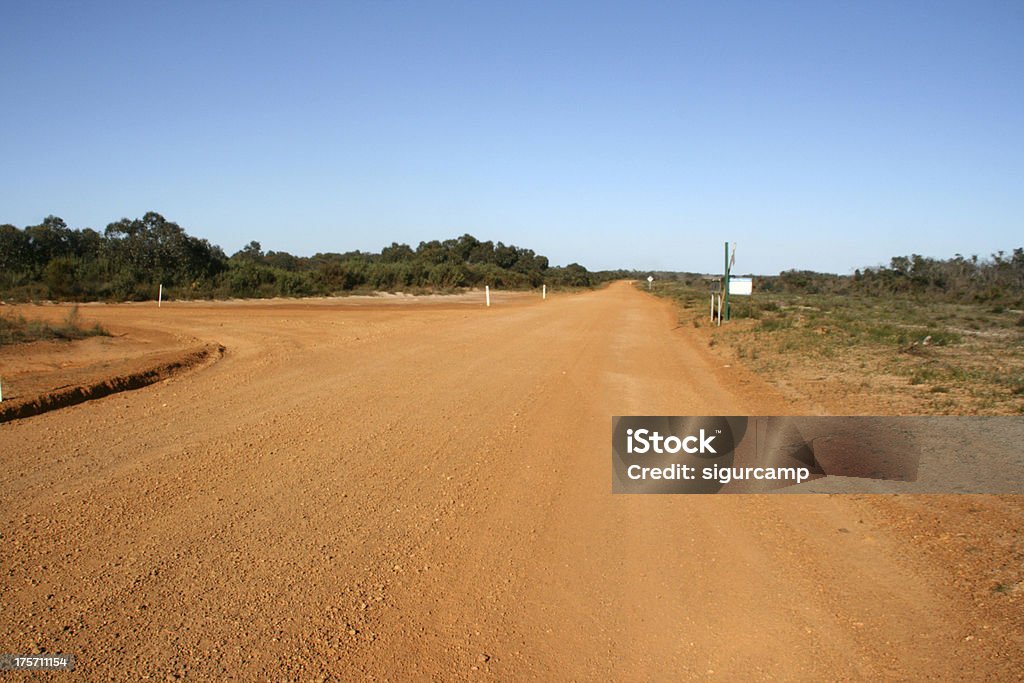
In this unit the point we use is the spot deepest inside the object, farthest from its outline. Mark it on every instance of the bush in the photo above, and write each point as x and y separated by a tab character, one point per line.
59	276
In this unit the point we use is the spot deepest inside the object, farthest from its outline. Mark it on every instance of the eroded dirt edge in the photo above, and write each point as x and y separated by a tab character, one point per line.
62	397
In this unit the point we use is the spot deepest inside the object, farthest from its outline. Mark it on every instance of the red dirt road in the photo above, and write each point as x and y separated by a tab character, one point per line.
424	492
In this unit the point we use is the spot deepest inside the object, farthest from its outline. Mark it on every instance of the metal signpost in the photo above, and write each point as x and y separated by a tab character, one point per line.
725	284
728	286
730	261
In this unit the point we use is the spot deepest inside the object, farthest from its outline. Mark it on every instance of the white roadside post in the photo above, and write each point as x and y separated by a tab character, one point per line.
487	293
160	296
650	282
544	292
1	391
716	296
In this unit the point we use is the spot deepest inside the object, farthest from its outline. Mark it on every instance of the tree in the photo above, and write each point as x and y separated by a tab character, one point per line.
505	256
15	249
397	253
50	239
250	252
154	250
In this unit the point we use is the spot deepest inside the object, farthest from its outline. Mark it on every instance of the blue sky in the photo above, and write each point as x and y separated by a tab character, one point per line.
816	135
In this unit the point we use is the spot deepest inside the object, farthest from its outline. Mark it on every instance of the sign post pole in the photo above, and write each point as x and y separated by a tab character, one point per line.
725	283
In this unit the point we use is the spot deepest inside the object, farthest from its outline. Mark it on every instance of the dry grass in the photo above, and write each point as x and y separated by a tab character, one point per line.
868	354
16	329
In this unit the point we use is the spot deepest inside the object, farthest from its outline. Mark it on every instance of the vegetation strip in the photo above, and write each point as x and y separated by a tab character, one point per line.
940	352
132	258
16	329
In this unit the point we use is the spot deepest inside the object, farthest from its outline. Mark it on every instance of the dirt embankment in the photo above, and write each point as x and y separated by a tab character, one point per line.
46	375
96	382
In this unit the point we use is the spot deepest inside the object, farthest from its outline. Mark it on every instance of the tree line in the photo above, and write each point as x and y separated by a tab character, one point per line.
132	257
998	279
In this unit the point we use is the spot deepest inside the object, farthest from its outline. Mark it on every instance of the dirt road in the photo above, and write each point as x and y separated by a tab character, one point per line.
423	492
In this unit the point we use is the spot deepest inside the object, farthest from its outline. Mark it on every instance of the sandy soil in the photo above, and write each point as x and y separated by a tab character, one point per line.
384	492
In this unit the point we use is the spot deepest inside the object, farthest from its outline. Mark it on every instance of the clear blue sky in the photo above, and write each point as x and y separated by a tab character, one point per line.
816	135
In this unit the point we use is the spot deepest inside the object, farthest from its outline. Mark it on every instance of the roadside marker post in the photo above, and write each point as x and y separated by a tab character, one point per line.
650	282
160	296
716	299
1	391
487	293
544	293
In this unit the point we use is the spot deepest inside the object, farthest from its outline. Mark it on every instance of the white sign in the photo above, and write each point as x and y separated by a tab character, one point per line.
741	286
650	278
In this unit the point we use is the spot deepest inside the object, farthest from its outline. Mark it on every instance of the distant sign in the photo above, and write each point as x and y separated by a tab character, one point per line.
741	286
650	278
716	286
